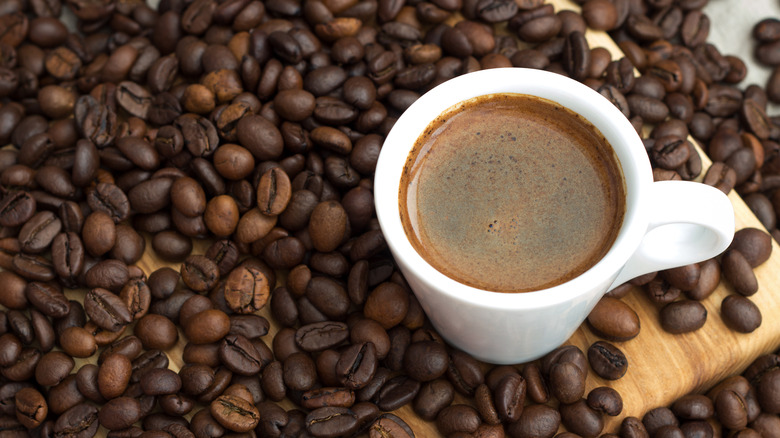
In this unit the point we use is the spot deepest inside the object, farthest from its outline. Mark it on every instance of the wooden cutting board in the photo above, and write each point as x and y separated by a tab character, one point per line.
662	367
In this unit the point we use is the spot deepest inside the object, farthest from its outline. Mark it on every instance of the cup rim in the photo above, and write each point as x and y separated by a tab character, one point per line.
615	127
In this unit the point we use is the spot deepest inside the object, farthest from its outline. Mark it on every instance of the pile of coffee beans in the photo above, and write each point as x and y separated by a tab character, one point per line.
256	125
745	405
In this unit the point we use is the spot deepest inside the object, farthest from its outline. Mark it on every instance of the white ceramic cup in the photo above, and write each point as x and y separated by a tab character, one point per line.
666	224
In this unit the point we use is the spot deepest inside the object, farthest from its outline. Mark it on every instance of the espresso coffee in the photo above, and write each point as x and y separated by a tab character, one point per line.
511	193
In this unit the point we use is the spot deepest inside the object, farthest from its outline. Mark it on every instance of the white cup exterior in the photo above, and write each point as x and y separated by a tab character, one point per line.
505	328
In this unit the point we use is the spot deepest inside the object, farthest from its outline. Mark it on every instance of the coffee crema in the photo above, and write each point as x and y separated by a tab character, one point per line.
511	193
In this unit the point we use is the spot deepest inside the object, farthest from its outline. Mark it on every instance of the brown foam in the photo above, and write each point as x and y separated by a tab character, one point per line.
511	193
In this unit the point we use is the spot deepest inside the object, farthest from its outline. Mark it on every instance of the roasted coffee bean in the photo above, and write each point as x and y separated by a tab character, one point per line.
328	297
246	289
740	314
730	408
607	360
606	400
194	305
11	349
737	270
208	326
755	245
721	176
457	418
250	326
107	310
693	407
119	413
156	332
465	372
151	195
67	254
299	371
53	368
172	246
108	274
79	420
129	346
426	360
683	316
331	421
225	254
36	235
16	209
579	418
576	54
357	365
536	420
199	273
129	246
433	397
31	407
614	320
321	336
15	287
99	234
396	392
114	375
239	355
509	397
234	413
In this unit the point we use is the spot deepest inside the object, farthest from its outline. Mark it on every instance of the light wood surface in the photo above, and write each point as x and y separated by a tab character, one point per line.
662	367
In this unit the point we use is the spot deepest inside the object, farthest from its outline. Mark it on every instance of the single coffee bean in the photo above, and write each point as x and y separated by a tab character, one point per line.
208	326
199	273
107	310
730	408
114	375
357	365
509	397
433	397
321	335
111	200
737	270
31	407
693	407
581	419
47	298
683	316
614	320
156	332
607	360
457	418
605	399
108	274
36	235
234	413
119	413
331	421
16	209
99	233
52	368
246	289
389	424
536	420
274	192
81	419
755	245
740	314
67	254
239	355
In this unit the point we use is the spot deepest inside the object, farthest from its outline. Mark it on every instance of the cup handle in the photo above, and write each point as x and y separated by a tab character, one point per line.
690	222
